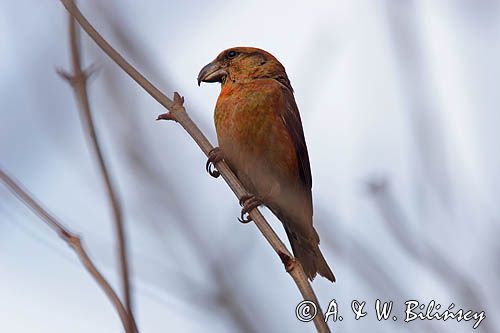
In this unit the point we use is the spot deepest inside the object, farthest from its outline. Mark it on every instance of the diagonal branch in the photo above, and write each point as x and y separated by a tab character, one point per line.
71	239
78	80
178	113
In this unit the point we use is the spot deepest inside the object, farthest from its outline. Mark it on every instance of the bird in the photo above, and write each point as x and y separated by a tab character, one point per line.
260	137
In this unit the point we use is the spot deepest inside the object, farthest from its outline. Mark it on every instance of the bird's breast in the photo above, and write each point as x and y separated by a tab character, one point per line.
251	132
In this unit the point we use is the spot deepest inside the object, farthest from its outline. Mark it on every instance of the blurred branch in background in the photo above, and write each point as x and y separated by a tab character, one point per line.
368	266
71	239
78	80
430	160
422	250
178	113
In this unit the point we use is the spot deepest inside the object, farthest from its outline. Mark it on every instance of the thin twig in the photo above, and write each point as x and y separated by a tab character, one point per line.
78	81
71	239
178	113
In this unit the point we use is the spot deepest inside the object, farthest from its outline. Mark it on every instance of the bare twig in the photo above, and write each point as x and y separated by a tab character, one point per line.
78	80
71	239
178	113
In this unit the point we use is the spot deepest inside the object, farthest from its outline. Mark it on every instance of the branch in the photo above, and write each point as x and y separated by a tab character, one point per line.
78	81
71	239
433	259
178	113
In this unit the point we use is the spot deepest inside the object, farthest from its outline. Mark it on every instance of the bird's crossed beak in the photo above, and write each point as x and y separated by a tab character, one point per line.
212	72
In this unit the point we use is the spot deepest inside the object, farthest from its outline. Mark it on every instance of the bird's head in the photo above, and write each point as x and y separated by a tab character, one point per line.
241	64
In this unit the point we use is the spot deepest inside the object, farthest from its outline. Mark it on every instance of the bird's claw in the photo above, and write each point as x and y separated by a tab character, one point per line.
215	155
244	219
248	202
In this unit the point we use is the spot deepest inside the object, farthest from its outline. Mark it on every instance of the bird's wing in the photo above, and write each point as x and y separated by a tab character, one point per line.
291	117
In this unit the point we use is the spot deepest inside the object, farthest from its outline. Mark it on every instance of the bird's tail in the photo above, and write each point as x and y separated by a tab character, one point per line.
306	250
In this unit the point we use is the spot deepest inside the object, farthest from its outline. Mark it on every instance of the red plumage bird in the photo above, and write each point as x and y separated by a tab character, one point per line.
261	138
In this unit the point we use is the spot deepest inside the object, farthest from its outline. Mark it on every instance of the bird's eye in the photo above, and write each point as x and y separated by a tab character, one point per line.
231	54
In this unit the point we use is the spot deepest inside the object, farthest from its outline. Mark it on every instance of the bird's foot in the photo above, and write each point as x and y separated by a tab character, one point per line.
248	202
215	155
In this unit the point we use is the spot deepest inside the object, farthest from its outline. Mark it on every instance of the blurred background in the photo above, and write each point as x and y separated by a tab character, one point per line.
399	102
